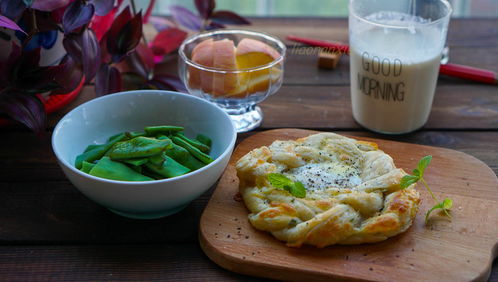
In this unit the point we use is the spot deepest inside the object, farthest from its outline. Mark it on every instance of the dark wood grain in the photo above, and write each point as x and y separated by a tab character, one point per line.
177	262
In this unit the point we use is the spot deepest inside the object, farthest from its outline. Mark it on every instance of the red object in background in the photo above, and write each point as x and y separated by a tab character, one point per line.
460	71
54	102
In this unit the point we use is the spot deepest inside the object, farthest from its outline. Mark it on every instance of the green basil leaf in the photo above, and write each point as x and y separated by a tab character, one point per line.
297	190
408	180
423	163
447	203
278	180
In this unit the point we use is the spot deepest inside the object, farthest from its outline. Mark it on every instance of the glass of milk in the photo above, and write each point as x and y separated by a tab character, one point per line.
395	52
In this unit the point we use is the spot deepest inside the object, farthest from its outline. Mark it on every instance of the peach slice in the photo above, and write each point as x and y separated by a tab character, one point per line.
202	54
223	55
224	58
248	45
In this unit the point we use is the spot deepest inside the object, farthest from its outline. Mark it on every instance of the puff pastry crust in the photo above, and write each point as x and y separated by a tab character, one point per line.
353	194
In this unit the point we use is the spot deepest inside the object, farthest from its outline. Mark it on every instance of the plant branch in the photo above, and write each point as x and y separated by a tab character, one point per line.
434	196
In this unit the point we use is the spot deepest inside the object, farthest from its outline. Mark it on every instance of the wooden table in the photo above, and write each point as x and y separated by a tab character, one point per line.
49	231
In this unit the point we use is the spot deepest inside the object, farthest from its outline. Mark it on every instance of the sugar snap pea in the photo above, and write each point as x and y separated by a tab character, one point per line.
163	129
192	150
138	147
204	140
157	153
203	148
169	168
106	168
97	152
182	156
86	167
136	162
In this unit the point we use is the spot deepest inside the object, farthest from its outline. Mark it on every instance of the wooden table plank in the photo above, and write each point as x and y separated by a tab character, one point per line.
469	106
184	262
113	262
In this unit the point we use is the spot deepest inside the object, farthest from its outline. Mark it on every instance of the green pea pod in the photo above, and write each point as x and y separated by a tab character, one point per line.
136	162
182	156
139	147
162	137
204	140
97	152
157	159
115	136
106	168
86	167
169	168
151	174
163	129
134	134
136	168
203	148
192	150
91	147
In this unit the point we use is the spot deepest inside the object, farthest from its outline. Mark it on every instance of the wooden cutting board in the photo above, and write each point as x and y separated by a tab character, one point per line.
460	250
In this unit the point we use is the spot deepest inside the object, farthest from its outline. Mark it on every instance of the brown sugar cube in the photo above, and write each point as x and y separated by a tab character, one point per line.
328	60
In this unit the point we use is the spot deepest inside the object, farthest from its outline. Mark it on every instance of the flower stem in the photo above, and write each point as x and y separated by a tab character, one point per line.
433	196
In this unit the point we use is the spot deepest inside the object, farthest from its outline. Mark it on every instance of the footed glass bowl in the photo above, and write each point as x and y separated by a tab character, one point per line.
235	69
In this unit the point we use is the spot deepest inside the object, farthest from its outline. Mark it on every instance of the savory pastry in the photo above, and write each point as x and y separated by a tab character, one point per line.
352	193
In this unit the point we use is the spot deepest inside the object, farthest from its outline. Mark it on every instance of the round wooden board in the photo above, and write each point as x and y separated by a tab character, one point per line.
460	250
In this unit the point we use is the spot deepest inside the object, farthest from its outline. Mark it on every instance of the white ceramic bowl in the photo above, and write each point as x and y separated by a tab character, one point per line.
96	120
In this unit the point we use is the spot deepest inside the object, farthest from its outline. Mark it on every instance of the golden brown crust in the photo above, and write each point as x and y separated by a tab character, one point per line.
366	206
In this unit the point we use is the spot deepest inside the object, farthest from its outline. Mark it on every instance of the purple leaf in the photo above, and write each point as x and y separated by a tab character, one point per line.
186	18
49	5
24	108
205	7
102	7
8	23
26	74
76	15
84	48
168	82
108	80
91	54
69	77
12	9
127	38
213	25
142	61
6	65
228	17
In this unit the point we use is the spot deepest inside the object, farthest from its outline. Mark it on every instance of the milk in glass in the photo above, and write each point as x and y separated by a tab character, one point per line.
394	70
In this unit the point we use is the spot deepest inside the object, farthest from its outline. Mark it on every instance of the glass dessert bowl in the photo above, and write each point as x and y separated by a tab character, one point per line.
235	69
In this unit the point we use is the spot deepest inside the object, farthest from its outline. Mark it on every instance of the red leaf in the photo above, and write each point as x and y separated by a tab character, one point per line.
24	108
116	27
167	41
101	24
108	80
228	17
126	39
148	12
205	7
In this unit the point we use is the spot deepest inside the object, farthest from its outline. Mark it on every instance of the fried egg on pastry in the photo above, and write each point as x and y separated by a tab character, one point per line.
352	191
